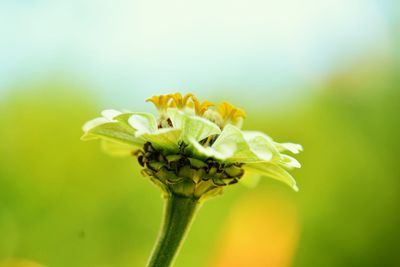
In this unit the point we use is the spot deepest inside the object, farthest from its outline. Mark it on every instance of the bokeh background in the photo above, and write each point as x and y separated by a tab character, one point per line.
323	73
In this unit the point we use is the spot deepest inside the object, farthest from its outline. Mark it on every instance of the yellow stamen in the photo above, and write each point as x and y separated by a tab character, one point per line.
180	101
200	108
230	113
160	101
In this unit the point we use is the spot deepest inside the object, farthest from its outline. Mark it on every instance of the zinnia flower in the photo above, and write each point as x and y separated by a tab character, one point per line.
193	149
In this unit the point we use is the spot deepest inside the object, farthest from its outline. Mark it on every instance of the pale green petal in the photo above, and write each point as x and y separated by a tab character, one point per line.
143	123
249	134
234	145
163	139
118	149
206	152
272	171
232	139
294	148
250	180
110	113
262	145
112	131
124	117
94	123
192	126
230	146
289	162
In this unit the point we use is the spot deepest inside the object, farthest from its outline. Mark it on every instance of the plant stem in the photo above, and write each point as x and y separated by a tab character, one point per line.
179	212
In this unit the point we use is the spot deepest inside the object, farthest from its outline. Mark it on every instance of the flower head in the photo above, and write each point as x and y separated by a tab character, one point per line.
193	148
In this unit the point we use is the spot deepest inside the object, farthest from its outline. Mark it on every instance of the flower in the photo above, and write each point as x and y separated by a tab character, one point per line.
193	148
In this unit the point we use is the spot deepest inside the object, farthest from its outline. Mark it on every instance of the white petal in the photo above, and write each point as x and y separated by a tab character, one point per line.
294	148
272	171
163	139
262	145
110	114
206	152
232	138
112	131
192	126
143	123
124	117
289	162
250	134
93	123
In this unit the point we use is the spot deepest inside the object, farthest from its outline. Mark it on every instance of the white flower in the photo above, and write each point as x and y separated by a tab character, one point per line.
198	134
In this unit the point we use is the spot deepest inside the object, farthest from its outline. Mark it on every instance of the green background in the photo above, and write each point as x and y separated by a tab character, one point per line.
65	203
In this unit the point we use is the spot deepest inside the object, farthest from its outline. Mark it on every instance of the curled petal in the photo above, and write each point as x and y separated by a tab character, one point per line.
273	171
192	126
224	152
232	137
110	114
294	148
163	139
248	146
143	123
262	145
289	162
112	131
124	117
94	123
230	146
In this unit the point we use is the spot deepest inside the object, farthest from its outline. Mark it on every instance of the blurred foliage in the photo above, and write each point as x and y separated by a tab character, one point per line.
351	188
64	203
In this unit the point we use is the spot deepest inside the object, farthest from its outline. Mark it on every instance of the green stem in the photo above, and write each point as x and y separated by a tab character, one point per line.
179	212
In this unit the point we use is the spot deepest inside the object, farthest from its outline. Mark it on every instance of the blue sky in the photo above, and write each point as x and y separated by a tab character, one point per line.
134	48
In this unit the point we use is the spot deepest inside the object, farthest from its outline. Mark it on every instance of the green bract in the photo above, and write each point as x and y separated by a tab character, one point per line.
192	149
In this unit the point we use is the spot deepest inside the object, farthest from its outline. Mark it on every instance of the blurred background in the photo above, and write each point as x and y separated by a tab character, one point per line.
323	73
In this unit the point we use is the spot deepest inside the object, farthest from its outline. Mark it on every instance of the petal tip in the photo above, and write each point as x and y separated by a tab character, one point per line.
295	188
110	114
93	123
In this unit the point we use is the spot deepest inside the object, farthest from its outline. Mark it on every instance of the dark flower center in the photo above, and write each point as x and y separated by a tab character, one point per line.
182	174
